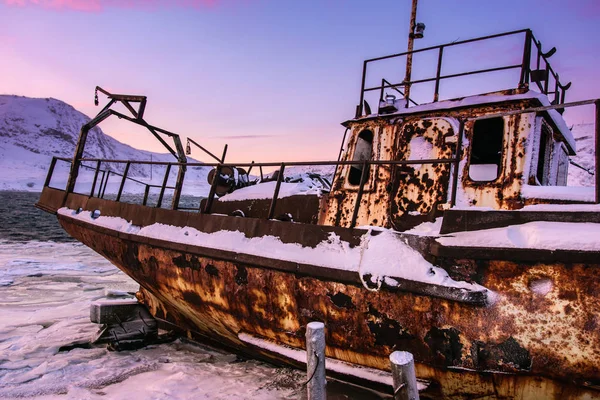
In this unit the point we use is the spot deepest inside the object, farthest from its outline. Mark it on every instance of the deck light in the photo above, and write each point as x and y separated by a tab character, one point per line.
419	29
390	99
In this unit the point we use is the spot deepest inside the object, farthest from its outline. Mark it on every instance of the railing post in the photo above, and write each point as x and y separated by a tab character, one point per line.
359	108
456	164
547	82
164	184
213	190
276	193
146	192
101	183
526	64
224	154
436	95
316	385
178	187
403	375
50	172
597	150
105	184
363	179
123	180
95	179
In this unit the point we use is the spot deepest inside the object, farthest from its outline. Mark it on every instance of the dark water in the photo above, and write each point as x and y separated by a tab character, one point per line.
20	221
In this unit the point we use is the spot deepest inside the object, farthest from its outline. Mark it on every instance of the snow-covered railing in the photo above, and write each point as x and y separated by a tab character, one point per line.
366	168
534	68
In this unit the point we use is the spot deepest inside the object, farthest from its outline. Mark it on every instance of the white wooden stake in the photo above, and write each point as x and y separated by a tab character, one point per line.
404	377
315	361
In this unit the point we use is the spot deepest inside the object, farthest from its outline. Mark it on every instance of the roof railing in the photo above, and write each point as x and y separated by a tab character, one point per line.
543	75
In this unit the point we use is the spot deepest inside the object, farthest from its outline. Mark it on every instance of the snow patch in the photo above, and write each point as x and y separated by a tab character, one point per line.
541	286
533	235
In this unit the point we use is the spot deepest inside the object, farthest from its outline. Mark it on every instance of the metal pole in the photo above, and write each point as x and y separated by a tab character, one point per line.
164	184
436	95
123	181
95	179
597	151
105	183
359	108
213	189
339	156
525	65
363	179
50	172
101	183
403	375
276	193
411	39
316	386
224	154
146	192
456	163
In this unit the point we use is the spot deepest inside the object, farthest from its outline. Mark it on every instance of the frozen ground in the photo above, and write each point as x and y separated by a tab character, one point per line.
45	293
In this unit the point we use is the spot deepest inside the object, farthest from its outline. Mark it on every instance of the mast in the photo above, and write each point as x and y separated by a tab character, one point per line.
409	56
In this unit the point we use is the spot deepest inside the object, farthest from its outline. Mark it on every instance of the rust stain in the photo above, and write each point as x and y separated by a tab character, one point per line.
455	344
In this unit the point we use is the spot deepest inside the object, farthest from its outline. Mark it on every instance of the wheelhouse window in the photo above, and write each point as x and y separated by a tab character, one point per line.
486	149
362	152
544	156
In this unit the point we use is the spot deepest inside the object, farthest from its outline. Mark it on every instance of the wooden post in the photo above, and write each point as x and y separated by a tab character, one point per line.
403	375
316	386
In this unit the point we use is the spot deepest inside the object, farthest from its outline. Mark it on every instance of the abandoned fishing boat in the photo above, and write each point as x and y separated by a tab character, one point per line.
447	231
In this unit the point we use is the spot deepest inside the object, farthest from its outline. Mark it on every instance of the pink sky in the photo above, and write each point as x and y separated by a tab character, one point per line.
273	79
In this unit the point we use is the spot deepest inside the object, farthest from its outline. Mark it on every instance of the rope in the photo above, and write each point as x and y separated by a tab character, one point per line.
312	375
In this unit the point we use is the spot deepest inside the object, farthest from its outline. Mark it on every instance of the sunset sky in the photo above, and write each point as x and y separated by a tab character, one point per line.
273	79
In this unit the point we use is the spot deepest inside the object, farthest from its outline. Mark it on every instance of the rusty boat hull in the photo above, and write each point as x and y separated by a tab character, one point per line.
526	345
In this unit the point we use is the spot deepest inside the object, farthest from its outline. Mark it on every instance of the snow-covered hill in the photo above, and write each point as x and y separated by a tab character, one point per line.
33	130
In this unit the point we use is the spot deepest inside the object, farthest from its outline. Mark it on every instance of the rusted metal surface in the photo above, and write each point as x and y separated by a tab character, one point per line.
473	220
542	334
303	208
402	196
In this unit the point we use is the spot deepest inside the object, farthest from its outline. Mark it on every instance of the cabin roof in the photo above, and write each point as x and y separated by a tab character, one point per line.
480	100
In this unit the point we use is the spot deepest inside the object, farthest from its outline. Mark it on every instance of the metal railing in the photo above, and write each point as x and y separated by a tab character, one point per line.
366	165
542	75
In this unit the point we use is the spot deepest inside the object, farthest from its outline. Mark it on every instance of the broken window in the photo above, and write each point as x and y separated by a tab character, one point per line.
544	156
486	149
362	152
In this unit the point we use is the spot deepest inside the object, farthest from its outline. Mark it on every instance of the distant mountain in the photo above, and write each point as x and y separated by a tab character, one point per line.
33	130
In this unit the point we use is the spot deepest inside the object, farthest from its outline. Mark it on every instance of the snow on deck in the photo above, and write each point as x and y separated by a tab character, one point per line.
565	193
541	235
265	191
381	256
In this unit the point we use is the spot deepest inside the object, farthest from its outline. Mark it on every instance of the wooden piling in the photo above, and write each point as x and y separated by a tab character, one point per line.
316	386
403	375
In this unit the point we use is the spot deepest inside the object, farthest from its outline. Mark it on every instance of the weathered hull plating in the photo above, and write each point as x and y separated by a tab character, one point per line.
539	340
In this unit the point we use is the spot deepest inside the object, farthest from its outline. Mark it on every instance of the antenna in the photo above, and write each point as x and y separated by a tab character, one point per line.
416	32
